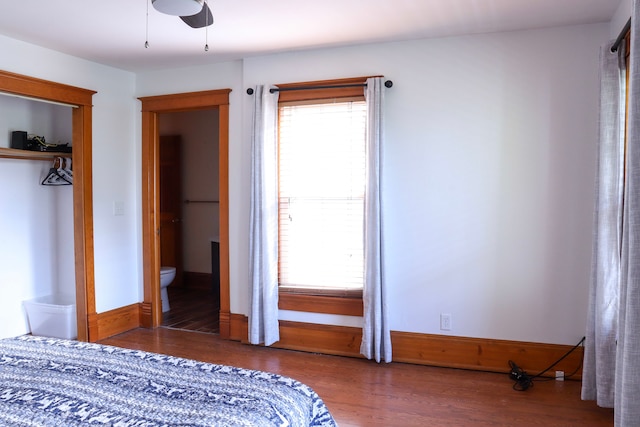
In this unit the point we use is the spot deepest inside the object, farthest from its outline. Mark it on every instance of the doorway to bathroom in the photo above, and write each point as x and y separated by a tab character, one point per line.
152	107
190	219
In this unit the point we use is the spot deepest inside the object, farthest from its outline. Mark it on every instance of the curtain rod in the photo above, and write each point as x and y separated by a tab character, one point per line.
621	36
387	83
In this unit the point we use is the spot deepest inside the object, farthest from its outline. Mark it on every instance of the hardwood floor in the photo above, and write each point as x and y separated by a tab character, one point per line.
192	309
359	392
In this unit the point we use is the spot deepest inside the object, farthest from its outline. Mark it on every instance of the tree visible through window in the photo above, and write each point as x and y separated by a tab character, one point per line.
321	194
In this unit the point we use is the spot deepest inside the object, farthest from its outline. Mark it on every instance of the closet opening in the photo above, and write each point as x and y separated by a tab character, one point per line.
76	235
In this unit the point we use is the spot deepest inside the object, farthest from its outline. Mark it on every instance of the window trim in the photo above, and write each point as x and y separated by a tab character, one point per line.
325	301
327	304
325	93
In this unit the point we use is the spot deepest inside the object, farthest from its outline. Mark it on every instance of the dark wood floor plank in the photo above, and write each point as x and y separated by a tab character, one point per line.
359	392
192	309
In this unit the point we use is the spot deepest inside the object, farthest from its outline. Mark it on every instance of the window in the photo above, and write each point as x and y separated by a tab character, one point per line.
321	195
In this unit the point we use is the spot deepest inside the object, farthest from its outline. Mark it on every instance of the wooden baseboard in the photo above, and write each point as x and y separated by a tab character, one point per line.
113	322
225	325
484	354
423	349
237	326
146	320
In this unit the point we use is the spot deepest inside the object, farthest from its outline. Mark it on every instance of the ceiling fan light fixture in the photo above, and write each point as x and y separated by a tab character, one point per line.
178	7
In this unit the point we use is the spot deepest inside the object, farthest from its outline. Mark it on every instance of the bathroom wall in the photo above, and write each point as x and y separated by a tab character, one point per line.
200	221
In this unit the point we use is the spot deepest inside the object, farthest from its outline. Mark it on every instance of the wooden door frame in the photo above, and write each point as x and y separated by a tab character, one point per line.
152	106
81	118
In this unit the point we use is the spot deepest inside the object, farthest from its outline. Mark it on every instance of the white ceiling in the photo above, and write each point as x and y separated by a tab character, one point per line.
112	32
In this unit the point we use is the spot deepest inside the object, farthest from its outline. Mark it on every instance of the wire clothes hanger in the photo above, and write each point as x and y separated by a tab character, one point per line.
58	173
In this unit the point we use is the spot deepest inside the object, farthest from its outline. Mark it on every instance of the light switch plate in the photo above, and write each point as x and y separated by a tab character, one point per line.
118	208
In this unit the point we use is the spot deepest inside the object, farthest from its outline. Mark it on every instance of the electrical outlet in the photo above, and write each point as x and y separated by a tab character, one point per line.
559	375
445	322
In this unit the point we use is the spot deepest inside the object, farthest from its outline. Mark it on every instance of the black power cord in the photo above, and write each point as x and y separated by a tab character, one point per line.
523	380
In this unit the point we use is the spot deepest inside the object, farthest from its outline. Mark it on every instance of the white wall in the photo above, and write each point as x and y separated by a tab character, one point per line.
488	174
116	238
28	266
226	75
200	221
620	18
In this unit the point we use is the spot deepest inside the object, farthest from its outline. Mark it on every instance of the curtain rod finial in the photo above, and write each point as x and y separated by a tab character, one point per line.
250	91
388	83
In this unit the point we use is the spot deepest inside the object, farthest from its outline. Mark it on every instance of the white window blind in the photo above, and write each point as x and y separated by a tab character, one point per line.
321	195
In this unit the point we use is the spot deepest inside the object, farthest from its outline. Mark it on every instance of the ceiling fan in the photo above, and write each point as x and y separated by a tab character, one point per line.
195	13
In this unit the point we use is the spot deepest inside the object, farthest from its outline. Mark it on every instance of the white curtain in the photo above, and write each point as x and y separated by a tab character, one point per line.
627	391
376	336
263	319
615	342
602	327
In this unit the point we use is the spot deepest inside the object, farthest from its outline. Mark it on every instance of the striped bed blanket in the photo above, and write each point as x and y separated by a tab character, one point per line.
55	382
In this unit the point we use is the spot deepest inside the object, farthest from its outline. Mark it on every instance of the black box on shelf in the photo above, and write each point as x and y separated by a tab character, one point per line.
19	139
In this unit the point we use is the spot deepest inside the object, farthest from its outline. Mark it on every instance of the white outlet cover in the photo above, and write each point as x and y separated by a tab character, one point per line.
445	322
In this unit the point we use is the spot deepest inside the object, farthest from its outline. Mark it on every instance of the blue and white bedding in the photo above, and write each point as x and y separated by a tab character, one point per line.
54	382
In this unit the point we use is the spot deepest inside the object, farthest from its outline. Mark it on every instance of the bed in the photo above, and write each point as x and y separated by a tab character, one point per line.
56	382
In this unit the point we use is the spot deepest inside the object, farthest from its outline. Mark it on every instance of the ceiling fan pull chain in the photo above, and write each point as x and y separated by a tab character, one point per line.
206	28
146	41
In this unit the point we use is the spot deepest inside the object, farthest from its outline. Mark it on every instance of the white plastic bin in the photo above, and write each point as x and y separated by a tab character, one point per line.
53	316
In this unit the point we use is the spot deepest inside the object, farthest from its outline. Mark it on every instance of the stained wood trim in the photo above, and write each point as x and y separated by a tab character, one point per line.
82	189
227	326
238	327
315	94
483	354
113	322
223	191
320	304
145	315
314	338
424	349
151	107
83	219
185	101
151	218
43	89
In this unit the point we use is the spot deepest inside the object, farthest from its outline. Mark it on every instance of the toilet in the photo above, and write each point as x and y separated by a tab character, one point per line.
167	274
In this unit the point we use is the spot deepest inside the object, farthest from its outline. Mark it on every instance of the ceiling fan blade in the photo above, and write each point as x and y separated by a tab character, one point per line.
178	7
201	19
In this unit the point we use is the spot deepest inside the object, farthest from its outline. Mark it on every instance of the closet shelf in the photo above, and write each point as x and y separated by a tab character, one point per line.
12	153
